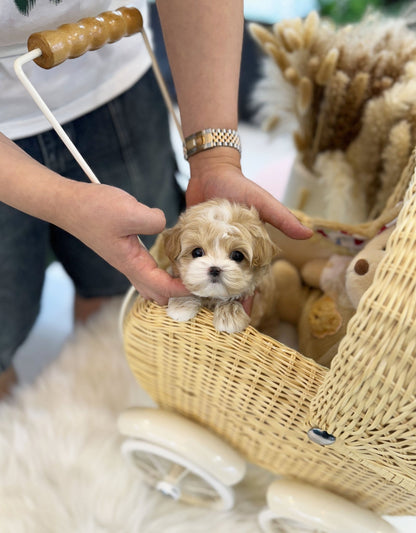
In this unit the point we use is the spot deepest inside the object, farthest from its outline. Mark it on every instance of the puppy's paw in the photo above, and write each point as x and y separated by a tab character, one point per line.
230	317
184	308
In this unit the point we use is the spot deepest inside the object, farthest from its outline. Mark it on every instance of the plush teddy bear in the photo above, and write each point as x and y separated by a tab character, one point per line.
322	296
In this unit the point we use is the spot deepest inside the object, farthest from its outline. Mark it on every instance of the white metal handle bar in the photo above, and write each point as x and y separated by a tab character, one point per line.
50	48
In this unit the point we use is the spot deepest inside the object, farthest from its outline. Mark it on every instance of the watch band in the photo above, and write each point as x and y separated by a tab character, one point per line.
210	138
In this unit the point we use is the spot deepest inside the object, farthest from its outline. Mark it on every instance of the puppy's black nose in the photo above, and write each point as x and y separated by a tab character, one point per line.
214	272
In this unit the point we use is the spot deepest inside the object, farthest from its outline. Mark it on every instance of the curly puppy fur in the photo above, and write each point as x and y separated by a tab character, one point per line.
223	254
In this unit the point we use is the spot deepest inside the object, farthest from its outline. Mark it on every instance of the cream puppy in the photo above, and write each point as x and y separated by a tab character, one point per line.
222	252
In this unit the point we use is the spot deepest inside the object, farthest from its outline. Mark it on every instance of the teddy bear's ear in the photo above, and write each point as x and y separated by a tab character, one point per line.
172	242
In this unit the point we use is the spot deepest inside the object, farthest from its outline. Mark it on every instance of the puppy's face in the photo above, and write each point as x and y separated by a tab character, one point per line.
220	250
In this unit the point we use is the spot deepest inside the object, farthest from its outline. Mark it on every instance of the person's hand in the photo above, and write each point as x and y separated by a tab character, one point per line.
217	173
108	220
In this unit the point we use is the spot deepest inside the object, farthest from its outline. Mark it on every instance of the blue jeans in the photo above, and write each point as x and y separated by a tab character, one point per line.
126	142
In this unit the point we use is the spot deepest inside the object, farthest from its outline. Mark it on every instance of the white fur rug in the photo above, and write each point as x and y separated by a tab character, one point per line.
61	470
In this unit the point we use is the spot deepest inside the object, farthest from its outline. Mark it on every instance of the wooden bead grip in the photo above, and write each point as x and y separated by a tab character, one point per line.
73	40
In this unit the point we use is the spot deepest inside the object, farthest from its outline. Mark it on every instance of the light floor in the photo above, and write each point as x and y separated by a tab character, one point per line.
266	161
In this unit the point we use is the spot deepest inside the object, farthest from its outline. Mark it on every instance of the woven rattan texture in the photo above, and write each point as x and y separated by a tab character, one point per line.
368	399
261	397
253	392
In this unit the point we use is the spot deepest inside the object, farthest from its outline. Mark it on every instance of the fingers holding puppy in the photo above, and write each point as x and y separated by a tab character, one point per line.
152	282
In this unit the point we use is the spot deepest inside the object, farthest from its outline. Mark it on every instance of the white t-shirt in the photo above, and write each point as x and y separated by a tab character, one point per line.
75	87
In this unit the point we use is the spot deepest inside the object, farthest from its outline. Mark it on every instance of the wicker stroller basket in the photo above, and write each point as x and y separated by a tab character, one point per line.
262	397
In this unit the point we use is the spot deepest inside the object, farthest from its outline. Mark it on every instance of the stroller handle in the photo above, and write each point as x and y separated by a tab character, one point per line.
91	33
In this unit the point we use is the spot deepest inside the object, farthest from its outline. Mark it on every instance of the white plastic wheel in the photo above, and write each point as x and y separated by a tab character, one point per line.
296	507
181	458
185	438
177	477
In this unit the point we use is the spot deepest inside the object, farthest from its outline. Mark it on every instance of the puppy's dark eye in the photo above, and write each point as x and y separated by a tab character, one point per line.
236	256
197	252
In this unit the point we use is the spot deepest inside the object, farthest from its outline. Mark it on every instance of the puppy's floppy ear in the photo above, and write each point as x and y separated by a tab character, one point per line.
172	242
264	249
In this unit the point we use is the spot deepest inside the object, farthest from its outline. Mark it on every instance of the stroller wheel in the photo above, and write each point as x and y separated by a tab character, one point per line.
177	477
181	459
296	507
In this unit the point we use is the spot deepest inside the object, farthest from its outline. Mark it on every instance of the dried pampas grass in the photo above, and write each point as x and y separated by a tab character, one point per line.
349	89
